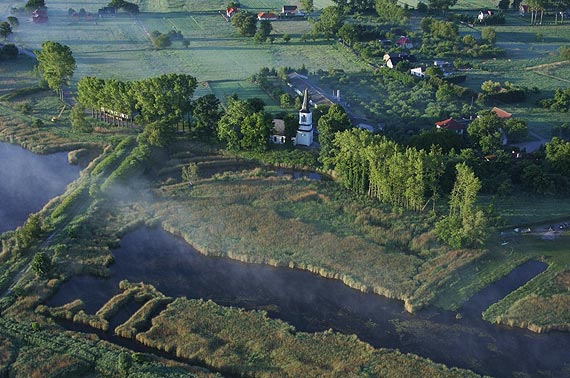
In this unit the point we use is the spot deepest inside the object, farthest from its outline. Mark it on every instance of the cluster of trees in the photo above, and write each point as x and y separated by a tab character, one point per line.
246	24
56	65
560	102
442	38
245	125
505	93
161	41
32	5
465	225
381	168
488	130
8	52
128	7
5	29
166	98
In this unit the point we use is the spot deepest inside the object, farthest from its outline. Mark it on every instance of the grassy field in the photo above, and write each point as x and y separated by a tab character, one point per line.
120	47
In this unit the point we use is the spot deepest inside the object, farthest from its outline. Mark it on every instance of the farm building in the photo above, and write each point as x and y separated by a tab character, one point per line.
266	16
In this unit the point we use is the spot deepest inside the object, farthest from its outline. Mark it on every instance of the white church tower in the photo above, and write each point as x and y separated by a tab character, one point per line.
305	131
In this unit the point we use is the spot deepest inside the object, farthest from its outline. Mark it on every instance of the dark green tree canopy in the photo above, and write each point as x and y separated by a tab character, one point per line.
5	29
34	4
56	64
245	22
485	132
330	21
205	115
390	11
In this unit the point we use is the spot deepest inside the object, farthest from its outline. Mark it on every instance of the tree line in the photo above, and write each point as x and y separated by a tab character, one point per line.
374	165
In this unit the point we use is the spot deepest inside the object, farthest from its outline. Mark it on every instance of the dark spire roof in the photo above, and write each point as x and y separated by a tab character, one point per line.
305	108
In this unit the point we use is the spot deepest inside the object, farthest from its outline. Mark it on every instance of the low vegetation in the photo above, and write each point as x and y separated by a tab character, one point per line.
247	343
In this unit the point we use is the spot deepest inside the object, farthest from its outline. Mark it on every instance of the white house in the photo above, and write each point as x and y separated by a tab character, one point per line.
305	131
418	71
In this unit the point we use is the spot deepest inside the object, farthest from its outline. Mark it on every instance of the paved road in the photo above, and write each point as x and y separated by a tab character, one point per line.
532	145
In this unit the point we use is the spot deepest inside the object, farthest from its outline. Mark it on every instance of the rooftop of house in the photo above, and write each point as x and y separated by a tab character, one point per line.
503	114
450	124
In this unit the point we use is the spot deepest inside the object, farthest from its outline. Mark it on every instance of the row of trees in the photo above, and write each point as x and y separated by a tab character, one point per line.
166	98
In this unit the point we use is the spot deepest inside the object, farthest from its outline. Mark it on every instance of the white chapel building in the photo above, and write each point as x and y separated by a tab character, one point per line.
304	135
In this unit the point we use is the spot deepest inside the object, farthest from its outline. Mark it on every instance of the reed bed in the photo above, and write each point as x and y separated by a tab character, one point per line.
248	343
141	317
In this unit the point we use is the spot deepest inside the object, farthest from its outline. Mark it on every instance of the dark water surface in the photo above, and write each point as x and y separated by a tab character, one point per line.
311	303
28	181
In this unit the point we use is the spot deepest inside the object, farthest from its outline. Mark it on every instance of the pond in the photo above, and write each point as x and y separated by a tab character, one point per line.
28	181
312	303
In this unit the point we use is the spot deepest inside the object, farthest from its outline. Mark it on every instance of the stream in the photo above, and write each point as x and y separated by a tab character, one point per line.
312	303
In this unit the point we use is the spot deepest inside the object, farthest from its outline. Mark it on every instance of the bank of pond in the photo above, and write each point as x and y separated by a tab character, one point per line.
314	304
28	181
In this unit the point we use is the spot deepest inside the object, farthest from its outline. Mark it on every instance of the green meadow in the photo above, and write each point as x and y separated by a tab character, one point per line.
120	47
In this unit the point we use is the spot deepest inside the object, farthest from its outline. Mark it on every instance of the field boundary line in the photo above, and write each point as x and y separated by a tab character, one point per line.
551	76
547	65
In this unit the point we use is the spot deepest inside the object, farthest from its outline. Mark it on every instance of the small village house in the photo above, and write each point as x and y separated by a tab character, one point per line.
484	14
404	42
418	71
453	125
291	11
393	59
502	114
266	16
231	11
278	136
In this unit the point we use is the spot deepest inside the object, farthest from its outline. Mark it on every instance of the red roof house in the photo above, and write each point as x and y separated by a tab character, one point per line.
404	41
265	16
451	124
231	11
502	114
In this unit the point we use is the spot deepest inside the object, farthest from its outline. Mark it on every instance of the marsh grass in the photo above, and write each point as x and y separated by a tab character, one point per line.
255	216
248	343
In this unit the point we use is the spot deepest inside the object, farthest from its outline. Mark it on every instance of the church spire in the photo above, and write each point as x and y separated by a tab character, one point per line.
305	108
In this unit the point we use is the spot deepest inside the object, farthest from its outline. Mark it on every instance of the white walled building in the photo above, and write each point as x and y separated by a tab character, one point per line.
304	135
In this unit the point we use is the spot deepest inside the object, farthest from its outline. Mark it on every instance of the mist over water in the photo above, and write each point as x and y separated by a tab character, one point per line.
28	181
311	303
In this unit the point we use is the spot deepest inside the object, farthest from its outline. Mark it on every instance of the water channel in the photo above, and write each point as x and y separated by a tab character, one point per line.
311	303
28	181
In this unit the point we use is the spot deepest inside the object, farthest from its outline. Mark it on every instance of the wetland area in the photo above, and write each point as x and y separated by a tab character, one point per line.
306	301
